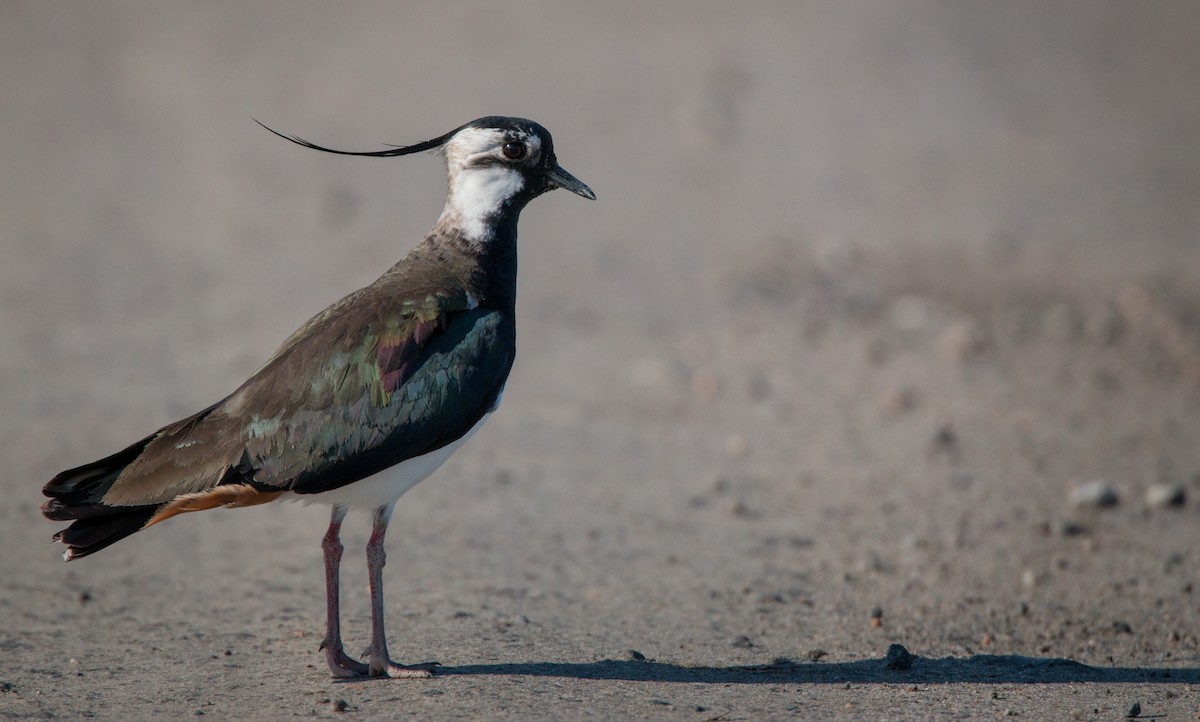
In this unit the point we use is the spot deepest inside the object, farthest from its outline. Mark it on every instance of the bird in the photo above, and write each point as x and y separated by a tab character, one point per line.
362	402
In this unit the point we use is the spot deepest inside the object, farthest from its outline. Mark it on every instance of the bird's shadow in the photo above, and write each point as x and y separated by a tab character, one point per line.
978	669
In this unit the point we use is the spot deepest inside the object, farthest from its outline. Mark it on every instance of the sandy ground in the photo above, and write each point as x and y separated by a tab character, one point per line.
869	290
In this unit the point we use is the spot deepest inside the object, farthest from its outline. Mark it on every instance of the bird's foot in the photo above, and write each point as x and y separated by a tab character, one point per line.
341	664
404	671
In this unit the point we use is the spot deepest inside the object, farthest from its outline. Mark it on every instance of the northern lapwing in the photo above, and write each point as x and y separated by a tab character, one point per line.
362	402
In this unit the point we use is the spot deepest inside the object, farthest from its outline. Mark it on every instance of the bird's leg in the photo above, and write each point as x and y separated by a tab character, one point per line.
381	665
339	664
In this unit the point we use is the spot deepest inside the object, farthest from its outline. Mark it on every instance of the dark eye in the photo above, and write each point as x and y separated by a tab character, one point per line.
513	150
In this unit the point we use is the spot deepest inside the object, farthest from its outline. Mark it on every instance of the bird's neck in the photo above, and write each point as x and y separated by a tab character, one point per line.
478	200
496	264
485	262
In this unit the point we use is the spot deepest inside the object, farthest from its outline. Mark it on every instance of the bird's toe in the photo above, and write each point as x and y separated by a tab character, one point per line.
411	671
342	665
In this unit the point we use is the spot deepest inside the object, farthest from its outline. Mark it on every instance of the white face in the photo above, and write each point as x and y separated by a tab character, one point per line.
483	175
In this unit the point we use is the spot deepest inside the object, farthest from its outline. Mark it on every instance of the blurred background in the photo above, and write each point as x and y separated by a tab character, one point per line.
988	147
858	272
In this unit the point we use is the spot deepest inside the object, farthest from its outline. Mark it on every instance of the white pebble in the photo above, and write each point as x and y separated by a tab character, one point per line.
1165	495
1093	495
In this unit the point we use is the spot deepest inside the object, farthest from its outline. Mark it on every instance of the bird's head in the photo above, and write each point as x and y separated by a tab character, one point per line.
495	164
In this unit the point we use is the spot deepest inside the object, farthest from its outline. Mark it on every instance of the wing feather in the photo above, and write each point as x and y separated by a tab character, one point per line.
364	385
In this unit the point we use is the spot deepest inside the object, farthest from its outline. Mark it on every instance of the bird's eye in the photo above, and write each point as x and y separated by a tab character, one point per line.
513	150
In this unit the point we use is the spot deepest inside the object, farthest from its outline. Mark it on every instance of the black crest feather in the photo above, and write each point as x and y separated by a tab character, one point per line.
389	153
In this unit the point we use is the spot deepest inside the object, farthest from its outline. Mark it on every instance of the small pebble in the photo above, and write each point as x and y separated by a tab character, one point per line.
1070	528
898	657
1093	495
1135	710
738	446
340	705
637	656
706	383
758	386
944	444
963	340
743	642
878	351
1134	303
1162	496
1103	327
816	654
876	617
897	401
742	510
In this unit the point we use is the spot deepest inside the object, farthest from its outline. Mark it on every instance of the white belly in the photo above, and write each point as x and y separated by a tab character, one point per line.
386	487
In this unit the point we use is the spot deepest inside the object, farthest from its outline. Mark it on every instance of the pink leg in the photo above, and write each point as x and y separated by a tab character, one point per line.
339	664
381	664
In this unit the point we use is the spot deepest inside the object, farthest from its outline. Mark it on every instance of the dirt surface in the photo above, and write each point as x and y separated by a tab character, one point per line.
871	293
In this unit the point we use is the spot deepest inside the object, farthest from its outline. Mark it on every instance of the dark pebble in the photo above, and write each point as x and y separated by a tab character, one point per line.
898	657
1135	710
743	642
637	656
944	444
1070	528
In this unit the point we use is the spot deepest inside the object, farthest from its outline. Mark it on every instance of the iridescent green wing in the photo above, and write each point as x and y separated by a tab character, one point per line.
375	384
